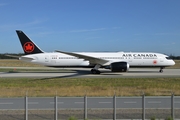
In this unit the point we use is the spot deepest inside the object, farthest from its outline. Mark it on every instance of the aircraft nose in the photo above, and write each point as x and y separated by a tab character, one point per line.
173	62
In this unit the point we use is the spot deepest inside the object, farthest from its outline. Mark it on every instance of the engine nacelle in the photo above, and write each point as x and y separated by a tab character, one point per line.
119	67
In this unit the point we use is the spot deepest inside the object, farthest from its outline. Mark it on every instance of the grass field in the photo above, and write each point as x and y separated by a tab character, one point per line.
14	87
16	63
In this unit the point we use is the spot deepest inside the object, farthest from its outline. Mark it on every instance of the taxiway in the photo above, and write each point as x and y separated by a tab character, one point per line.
85	73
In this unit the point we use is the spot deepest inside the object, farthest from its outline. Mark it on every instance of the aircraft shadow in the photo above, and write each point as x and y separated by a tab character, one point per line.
78	73
82	73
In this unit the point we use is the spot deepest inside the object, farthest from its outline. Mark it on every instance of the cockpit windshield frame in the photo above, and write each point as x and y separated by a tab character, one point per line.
168	58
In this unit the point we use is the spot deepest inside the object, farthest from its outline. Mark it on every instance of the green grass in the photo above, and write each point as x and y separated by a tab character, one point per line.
16	63
12	87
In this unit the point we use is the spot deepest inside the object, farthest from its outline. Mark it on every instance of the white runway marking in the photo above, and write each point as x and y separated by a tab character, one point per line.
154	102
104	102
130	102
58	102
79	102
6	103
33	103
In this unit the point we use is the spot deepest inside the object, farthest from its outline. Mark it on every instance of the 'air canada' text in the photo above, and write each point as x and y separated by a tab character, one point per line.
140	55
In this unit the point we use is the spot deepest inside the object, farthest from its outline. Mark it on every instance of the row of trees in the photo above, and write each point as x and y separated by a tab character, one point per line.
4	56
174	57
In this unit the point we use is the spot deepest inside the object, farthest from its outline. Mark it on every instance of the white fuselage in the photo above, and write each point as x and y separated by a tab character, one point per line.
134	59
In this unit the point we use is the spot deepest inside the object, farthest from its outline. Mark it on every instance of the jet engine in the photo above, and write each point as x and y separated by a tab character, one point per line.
119	67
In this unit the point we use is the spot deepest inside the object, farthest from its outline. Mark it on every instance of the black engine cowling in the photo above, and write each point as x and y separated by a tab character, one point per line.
119	67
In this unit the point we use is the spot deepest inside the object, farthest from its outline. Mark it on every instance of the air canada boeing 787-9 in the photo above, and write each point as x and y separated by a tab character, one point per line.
115	61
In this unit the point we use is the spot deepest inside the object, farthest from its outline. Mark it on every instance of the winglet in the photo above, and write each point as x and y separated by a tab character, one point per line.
28	45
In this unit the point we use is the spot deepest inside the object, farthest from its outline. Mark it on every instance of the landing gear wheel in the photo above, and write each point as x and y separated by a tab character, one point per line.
161	70
94	71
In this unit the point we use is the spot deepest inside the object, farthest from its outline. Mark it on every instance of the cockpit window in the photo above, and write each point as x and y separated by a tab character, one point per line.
168	58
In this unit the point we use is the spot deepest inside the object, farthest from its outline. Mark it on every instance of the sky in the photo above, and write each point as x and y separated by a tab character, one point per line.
92	25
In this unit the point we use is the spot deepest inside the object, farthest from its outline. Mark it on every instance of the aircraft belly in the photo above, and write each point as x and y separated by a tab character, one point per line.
141	63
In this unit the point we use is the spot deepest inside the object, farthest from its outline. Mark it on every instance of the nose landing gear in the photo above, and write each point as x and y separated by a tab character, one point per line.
161	69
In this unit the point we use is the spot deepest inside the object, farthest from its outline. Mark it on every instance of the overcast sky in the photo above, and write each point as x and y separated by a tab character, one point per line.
92	25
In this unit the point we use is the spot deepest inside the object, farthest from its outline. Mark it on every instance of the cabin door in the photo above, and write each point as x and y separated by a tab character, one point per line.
46	58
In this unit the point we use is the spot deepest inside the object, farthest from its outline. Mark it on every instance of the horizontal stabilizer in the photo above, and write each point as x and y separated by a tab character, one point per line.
13	56
26	58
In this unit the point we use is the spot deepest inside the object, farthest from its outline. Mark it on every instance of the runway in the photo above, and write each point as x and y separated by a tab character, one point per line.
42	103
126	108
85	73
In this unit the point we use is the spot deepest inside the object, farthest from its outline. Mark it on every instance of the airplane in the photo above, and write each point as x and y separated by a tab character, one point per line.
115	61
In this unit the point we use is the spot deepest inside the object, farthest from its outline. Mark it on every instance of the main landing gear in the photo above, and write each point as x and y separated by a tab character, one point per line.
95	69
161	69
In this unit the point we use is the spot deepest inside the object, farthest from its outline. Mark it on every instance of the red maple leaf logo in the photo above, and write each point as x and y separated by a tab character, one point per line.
28	47
154	62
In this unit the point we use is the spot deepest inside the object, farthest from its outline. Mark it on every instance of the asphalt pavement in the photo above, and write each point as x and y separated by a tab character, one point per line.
85	73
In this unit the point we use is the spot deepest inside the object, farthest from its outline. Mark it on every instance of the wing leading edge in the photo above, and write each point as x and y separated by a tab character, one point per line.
92	60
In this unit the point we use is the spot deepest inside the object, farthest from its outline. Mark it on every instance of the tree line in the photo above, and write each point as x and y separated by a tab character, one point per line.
174	57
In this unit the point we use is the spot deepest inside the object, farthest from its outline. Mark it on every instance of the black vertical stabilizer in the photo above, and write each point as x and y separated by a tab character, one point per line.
28	46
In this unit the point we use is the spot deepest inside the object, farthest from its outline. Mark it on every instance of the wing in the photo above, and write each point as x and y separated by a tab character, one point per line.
20	57
92	60
13	56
